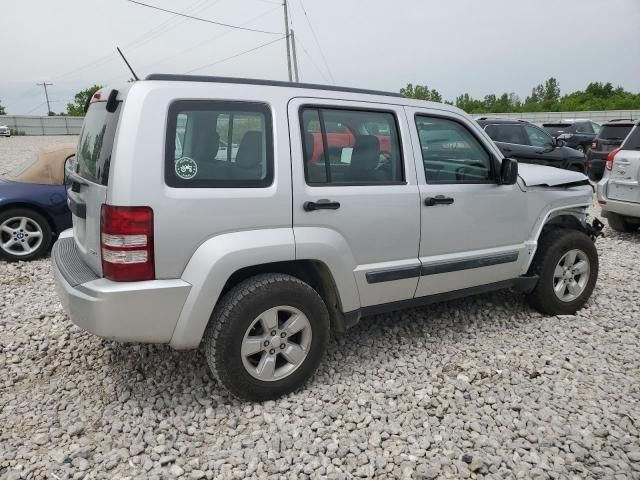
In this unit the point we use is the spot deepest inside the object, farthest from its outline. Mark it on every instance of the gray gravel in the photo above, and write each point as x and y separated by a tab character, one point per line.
482	387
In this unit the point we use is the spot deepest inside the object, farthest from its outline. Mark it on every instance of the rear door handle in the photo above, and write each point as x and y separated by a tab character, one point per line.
438	200
322	204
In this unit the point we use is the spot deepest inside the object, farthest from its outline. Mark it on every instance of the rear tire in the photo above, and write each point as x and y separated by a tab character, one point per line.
620	224
24	235
245	320
559	291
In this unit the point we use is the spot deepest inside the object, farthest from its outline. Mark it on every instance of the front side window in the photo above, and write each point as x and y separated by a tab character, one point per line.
451	153
584	128
537	137
505	133
218	144
350	147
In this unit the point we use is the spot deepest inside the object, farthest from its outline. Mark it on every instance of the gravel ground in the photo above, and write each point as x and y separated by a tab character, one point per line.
481	388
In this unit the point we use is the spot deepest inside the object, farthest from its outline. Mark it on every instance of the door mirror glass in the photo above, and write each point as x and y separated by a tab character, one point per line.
68	169
508	171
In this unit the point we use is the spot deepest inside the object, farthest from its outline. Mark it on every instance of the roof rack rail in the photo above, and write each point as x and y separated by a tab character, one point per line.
271	83
621	120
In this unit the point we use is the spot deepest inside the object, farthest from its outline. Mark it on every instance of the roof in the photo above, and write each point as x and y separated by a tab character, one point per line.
620	121
272	83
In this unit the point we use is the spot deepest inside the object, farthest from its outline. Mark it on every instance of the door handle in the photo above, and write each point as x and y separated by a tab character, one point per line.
504	149
438	200
322	204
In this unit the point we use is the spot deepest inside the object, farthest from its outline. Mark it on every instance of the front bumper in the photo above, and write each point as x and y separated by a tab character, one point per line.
125	311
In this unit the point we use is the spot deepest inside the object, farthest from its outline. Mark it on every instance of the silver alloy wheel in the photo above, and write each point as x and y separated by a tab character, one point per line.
276	343
20	236
571	275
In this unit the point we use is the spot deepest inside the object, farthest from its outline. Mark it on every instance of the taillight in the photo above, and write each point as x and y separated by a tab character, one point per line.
610	158
126	241
594	145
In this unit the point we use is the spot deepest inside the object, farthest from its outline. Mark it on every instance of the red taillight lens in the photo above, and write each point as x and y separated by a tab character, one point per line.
126	239
610	158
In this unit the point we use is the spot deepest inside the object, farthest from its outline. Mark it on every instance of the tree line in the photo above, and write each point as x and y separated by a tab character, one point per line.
544	98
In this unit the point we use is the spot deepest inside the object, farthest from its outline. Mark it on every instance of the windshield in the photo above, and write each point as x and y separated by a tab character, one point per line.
96	142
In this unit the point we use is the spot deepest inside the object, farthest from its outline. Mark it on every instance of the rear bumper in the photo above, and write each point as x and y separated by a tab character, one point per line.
124	311
628	209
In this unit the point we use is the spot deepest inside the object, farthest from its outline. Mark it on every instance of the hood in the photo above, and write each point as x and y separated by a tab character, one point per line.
540	175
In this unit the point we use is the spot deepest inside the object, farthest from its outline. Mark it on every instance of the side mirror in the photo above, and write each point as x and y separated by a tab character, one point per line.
508	171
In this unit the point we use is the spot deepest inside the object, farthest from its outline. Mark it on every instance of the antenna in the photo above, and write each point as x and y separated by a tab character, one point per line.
135	77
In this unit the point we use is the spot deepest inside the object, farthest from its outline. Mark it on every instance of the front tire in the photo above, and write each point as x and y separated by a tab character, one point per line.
24	234
266	337
567	266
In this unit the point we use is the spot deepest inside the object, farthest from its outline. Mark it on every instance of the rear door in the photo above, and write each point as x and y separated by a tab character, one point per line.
624	180
89	180
611	136
360	196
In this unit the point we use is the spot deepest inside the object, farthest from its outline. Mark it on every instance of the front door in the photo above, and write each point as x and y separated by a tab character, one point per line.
355	194
473	230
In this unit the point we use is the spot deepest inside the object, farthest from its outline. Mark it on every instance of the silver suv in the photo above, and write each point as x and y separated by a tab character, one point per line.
619	189
331	204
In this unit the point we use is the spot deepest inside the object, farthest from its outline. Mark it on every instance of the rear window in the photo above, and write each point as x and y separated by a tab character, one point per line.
96	143
218	144
549	127
615	132
633	140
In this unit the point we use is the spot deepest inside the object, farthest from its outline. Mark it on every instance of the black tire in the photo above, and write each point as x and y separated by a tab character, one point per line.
234	315
553	246
43	225
620	224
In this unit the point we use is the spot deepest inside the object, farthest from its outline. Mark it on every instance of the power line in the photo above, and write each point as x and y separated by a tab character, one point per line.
203	19
209	39
324	77
324	59
236	55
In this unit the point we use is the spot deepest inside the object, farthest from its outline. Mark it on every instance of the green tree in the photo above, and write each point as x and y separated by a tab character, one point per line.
2	110
421	92
76	109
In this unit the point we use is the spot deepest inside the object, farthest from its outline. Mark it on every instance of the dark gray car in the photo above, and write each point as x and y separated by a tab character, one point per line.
528	143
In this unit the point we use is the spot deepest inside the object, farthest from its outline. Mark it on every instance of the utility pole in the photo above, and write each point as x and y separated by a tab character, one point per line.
286	30
295	57
46	94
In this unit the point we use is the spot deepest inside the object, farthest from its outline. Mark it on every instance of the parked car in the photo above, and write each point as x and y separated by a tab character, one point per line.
262	255
576	133
33	204
610	137
5	131
619	189
528	143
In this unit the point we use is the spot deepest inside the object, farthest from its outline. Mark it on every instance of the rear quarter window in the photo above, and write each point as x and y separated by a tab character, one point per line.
218	144
96	143
633	140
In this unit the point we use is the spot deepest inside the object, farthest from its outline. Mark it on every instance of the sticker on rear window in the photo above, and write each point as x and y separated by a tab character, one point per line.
186	168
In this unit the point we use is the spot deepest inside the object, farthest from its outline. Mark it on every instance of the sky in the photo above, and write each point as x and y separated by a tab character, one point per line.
455	46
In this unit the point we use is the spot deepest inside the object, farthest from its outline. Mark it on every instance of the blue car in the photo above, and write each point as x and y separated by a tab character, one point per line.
33	205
